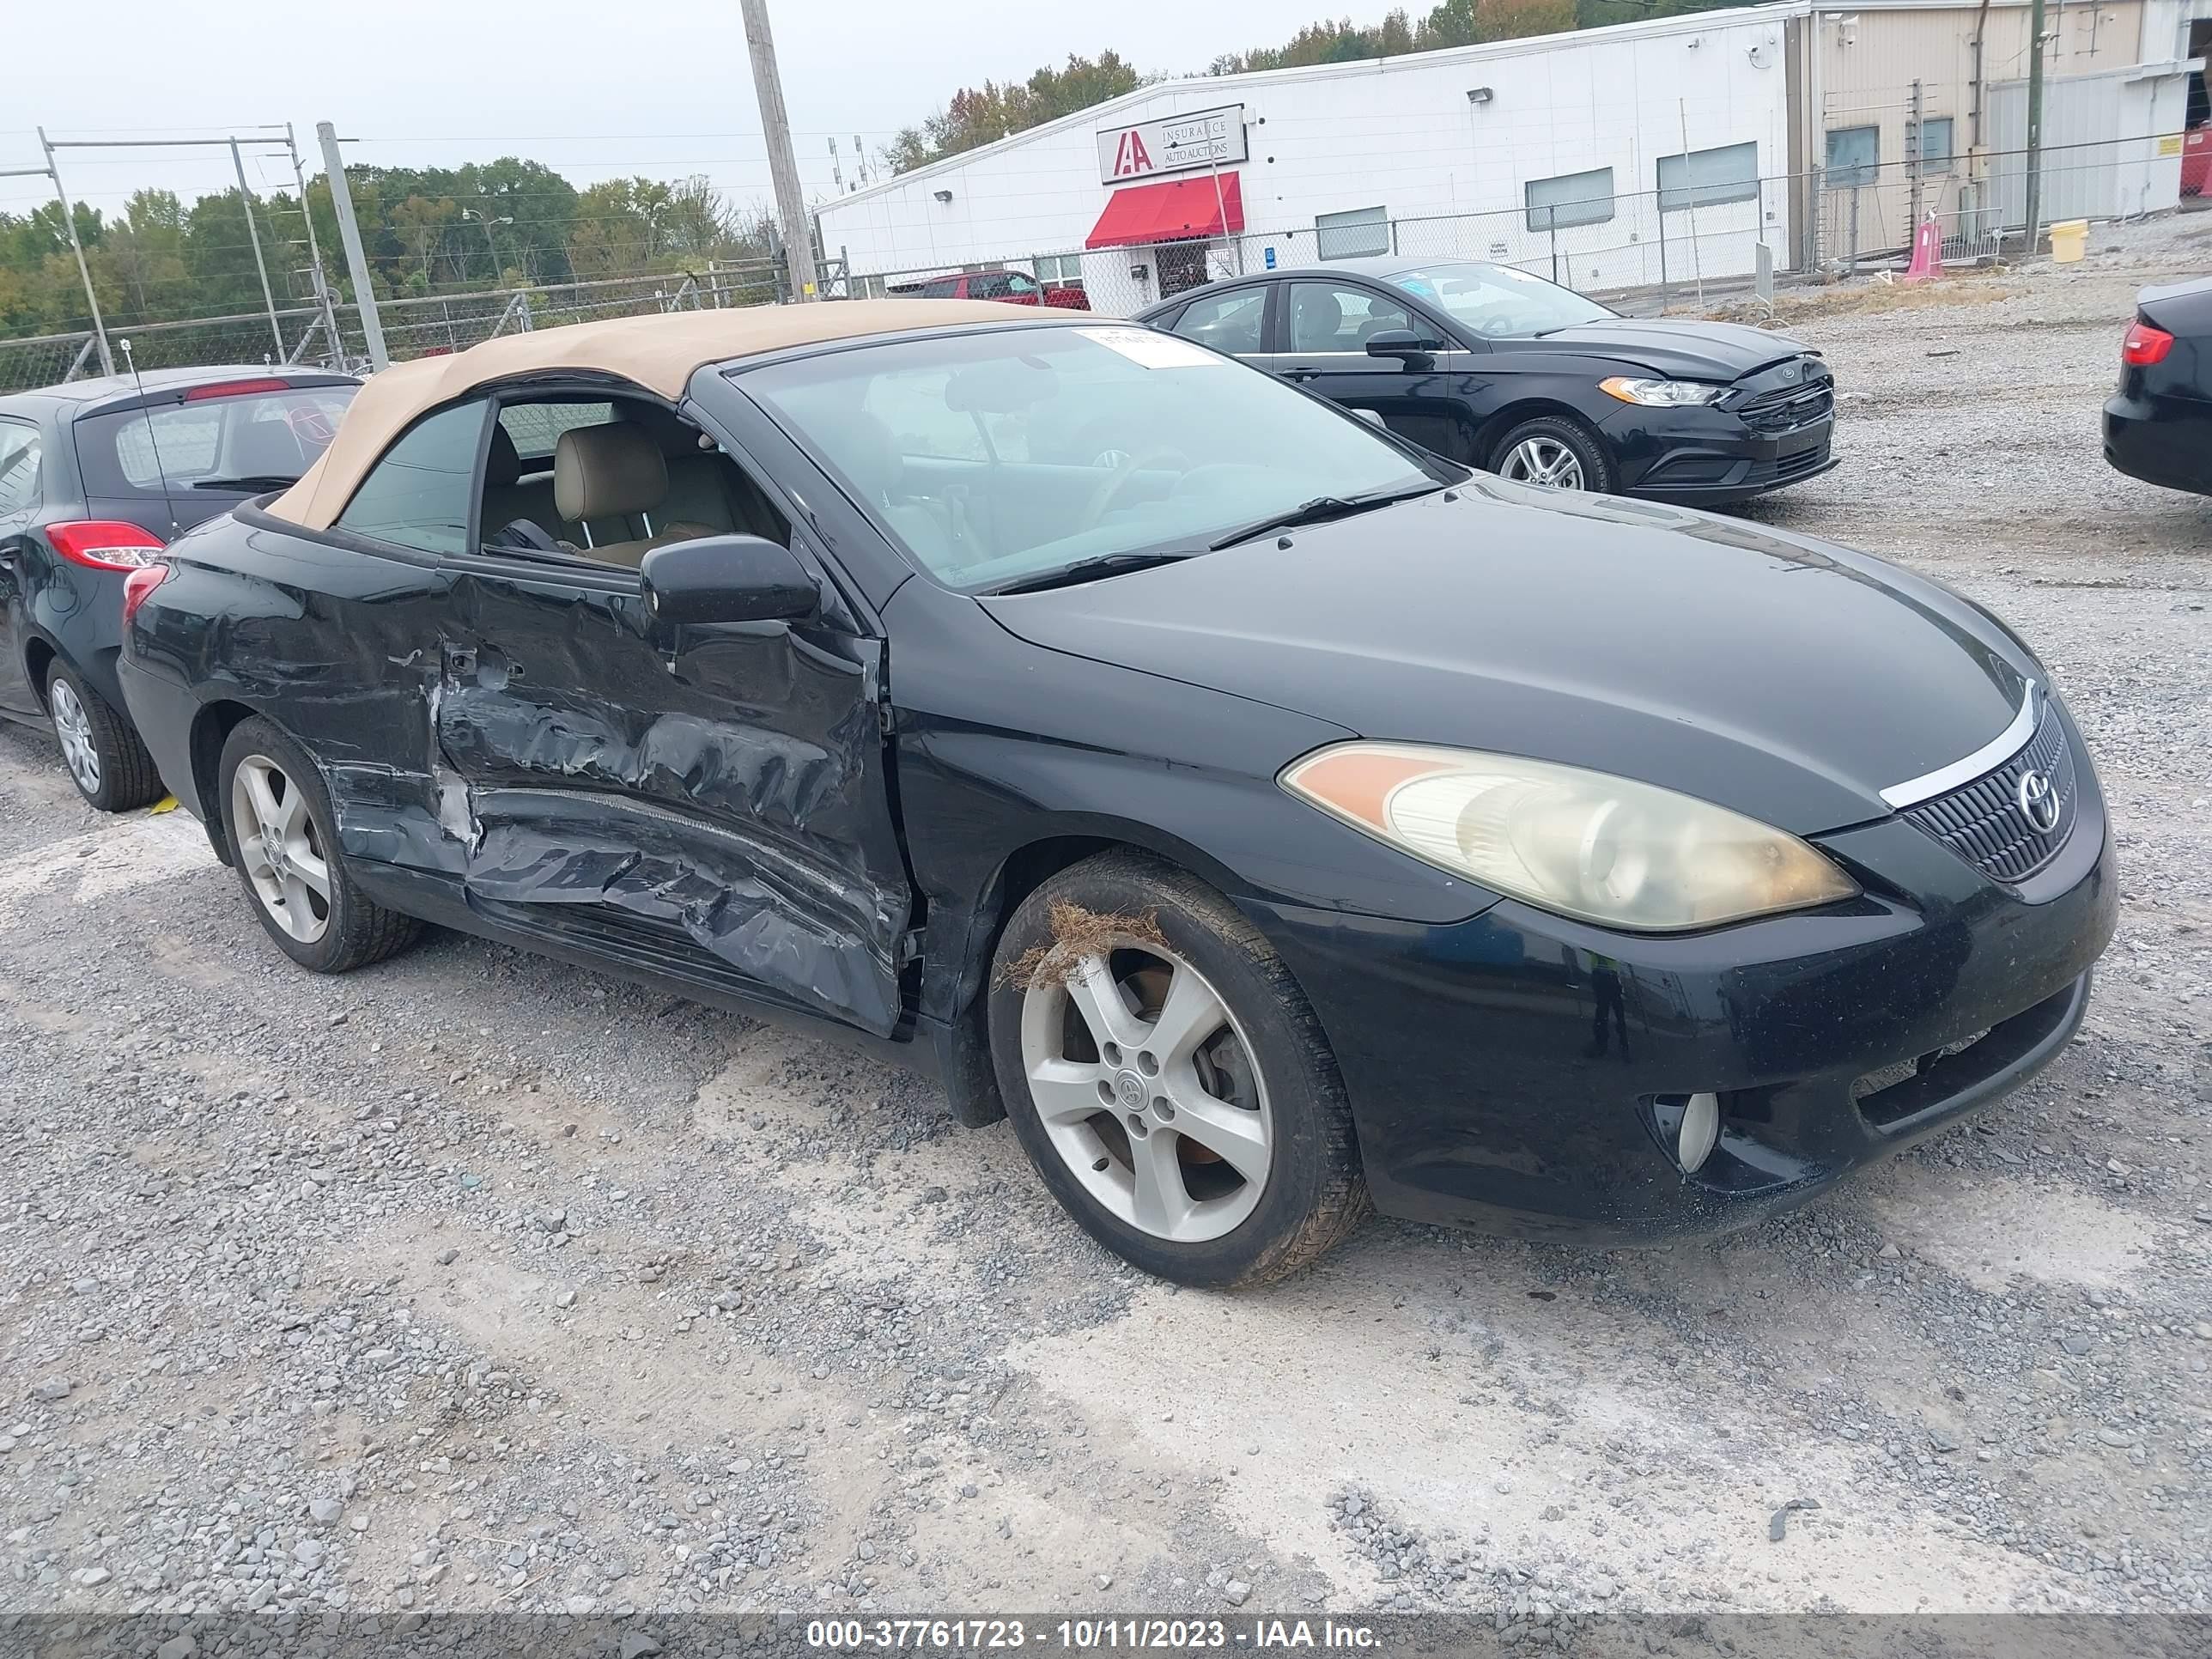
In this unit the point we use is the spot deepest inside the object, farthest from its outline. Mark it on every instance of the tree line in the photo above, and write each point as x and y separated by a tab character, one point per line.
507	223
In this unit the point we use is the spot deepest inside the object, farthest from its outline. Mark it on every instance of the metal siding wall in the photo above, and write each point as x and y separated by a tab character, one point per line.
1867	82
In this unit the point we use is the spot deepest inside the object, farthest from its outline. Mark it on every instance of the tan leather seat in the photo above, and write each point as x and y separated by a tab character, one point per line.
616	472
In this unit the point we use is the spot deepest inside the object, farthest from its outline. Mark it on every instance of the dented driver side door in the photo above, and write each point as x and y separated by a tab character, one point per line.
710	803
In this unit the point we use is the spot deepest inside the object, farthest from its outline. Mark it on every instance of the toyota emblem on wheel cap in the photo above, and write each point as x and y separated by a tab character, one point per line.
2039	802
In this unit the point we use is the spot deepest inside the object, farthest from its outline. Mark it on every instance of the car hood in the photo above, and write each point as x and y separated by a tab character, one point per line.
1682	350
1765	671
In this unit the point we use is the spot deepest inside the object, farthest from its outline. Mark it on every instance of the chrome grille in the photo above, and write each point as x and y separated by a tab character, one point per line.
1792	408
1982	822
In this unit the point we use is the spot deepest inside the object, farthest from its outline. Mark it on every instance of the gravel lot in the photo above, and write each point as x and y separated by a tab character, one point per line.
473	1282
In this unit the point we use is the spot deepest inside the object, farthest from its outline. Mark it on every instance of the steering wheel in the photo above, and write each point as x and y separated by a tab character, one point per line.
1118	480
1498	328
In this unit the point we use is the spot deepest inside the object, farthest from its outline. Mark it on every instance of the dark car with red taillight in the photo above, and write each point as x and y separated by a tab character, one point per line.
96	478
1013	288
2158	426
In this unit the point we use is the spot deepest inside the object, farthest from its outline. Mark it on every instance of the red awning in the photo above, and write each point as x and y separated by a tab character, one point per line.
1170	211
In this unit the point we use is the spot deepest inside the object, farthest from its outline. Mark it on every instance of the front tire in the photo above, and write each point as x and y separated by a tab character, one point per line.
1554	452
101	750
277	819
1168	1079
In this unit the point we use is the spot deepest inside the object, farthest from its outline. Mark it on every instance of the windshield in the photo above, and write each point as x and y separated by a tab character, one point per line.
210	435
994	458
1499	302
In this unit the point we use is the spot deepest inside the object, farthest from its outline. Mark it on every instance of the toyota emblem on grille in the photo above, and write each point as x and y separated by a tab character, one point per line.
2039	802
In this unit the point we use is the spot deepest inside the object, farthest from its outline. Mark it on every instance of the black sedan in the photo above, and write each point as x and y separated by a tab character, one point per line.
1502	370
96	476
1279	819
2158	426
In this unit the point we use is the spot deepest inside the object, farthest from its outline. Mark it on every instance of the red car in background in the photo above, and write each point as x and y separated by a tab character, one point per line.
1013	287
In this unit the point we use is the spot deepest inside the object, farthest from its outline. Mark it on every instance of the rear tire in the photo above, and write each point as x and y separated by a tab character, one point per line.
101	750
1555	446
277	821
1212	1143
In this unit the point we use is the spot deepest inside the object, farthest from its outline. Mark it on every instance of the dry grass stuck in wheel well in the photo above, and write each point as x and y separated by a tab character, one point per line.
1078	933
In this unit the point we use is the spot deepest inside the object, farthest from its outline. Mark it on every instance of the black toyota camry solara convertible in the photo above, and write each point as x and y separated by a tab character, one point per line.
1271	818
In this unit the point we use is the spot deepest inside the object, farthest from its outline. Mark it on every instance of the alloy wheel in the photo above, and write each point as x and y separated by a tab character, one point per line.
1148	1091
1545	462
73	727
282	855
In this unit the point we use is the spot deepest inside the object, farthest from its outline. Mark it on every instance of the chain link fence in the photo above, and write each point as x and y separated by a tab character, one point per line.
1649	251
422	327
1643	253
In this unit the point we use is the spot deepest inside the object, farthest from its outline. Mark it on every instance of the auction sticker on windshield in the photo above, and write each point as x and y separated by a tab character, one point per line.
1141	345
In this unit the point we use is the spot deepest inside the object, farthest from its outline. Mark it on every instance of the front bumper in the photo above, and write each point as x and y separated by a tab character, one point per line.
1501	1070
2161	440
1705	456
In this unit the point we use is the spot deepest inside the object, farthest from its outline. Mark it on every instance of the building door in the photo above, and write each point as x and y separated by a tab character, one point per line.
1181	265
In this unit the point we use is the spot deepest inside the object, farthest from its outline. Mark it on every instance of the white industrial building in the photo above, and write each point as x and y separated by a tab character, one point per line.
1322	160
1655	153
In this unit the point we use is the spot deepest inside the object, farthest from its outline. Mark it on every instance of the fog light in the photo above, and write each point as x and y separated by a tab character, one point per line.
1700	1130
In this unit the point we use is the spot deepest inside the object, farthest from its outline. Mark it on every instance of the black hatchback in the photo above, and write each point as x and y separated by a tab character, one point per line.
1497	369
96	477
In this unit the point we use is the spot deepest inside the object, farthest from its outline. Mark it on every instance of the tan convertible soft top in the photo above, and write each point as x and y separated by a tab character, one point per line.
660	353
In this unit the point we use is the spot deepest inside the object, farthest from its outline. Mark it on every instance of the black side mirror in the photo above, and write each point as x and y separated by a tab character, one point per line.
727	579
1402	343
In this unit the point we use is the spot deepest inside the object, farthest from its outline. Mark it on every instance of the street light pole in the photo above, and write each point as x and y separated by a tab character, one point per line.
491	241
782	164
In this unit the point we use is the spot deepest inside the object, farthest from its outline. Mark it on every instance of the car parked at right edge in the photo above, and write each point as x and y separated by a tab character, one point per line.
1497	369
96	478
2158	425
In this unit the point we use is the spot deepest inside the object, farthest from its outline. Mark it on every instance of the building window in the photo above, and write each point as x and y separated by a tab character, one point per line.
1059	270
1349	235
1707	177
1936	144
1854	155
1572	198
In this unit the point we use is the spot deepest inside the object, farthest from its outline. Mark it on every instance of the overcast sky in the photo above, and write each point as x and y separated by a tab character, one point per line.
594	87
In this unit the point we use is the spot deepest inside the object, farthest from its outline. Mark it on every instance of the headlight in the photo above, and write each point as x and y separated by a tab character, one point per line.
1658	394
1585	844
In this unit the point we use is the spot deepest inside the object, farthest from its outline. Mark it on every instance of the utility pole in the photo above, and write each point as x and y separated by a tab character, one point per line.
68	223
2034	126
245	201
372	326
782	164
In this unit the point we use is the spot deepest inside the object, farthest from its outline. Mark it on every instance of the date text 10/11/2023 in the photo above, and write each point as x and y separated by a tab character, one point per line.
1087	1635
